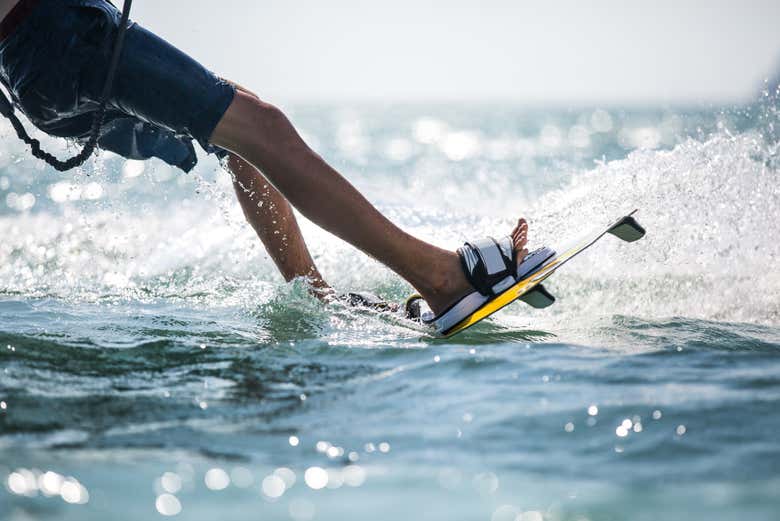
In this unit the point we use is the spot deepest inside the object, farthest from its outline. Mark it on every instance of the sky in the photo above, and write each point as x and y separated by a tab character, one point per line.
554	51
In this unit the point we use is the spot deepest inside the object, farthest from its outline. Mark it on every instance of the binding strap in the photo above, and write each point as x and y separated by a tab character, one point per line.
489	264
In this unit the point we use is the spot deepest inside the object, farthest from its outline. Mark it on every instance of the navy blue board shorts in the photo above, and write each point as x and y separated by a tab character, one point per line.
54	63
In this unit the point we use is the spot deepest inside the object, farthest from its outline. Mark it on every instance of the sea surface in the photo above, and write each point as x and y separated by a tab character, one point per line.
153	363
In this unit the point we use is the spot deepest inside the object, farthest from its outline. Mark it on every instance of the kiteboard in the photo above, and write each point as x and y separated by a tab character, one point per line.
529	288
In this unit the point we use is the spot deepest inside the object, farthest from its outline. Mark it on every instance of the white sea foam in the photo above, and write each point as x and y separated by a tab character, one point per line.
709	207
709	211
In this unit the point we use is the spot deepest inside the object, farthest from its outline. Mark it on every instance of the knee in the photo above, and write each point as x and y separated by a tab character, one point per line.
268	116
254	123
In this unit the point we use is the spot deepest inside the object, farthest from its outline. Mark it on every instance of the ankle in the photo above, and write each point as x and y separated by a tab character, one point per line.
445	283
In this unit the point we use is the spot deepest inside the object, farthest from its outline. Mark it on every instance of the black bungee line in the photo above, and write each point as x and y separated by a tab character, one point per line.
7	109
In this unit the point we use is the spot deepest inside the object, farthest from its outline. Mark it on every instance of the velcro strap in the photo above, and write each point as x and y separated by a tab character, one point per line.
490	253
489	264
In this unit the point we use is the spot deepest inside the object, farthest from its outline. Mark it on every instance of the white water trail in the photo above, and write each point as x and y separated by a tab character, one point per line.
711	251
710	208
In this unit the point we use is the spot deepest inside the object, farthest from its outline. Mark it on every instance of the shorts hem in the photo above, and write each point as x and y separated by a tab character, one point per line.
213	116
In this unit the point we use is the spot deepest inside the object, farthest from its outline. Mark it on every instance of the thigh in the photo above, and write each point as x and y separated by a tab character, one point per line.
159	84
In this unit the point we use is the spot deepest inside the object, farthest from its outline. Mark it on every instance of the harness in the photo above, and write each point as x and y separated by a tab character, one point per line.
7	109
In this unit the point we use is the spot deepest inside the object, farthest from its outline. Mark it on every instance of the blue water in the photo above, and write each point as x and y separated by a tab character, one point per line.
154	363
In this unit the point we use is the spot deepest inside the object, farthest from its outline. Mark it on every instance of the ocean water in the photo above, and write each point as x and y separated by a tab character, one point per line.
152	363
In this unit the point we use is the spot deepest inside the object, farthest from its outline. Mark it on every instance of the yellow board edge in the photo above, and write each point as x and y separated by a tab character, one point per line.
527	284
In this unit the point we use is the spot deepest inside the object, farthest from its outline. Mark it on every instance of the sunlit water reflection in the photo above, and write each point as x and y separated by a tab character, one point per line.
154	365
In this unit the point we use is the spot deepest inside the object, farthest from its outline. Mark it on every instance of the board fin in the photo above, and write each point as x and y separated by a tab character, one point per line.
627	229
538	297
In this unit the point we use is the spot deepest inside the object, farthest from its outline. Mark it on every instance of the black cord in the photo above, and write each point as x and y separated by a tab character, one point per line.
7	109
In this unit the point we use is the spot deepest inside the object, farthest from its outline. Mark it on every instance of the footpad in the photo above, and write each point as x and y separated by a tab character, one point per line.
533	261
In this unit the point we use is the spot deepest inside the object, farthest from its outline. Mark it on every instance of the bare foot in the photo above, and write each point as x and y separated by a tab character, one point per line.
453	285
520	239
318	287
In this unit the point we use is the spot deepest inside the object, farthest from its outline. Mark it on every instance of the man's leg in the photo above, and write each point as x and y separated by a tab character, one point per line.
273	219
261	134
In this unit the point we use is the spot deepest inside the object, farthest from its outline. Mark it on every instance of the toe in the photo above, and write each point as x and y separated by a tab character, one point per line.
521	225
520	234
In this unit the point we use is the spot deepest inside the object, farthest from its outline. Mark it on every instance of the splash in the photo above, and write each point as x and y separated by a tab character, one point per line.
709	208
709	205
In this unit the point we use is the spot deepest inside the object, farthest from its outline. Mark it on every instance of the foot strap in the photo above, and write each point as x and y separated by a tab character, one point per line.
490	267
364	299
489	264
